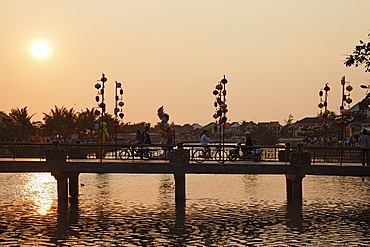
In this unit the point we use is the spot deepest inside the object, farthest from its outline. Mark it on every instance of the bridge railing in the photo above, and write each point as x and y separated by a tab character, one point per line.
133	152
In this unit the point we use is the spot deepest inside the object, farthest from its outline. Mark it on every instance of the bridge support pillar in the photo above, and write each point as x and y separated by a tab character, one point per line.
62	185
67	184
294	186
73	184
180	185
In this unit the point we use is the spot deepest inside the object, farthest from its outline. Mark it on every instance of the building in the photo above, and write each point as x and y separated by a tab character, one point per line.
307	124
4	118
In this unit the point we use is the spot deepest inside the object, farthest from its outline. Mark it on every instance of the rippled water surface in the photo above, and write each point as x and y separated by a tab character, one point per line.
220	210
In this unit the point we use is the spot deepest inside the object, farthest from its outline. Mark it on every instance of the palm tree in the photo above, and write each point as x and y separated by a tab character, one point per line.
85	123
60	122
22	127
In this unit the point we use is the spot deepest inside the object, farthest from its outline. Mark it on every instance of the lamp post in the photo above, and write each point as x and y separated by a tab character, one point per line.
221	110
118	113
324	104
99	98
346	101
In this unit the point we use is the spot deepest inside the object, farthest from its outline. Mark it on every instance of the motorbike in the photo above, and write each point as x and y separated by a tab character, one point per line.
254	154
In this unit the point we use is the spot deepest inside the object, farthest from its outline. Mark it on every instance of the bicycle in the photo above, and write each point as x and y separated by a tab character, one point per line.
133	152
206	153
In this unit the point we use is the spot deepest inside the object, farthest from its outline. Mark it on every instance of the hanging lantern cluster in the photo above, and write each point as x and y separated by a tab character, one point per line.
346	101
118	111
324	112
99	98
220	102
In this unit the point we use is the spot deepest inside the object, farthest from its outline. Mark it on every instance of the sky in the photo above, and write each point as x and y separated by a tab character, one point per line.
276	54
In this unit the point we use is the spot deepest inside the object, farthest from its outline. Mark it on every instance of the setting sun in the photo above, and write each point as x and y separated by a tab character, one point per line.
40	49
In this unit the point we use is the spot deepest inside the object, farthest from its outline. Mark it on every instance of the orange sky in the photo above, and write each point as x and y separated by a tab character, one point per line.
276	55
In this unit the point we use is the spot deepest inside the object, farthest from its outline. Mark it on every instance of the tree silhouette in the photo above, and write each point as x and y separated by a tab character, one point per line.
360	55
60	123
85	123
22	128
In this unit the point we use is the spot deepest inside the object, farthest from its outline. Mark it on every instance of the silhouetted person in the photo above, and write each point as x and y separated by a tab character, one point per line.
248	143
364	142
146	136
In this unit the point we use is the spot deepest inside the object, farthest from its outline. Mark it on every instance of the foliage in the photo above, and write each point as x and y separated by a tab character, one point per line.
290	119
360	55
60	123
264	135
85	123
21	129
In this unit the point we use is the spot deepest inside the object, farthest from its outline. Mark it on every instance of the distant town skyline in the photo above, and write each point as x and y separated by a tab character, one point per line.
276	55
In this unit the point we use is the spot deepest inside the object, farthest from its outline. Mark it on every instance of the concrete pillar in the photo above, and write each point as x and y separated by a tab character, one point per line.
62	185
73	184
180	185
294	186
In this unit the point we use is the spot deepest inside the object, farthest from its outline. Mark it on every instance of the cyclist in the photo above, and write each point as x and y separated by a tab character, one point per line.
204	140
248	143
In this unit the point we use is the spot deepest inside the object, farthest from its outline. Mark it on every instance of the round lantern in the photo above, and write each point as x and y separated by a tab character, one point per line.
102	91
97	86
118	84
215	104
349	100
218	86
343	111
327	88
340	122
223	105
349	88
116	110
321	105
96	112
97	98
324	115
224	119
327	112
224	81
321	93
103	79
215	92
121	103
224	110
121	115
215	116
102	105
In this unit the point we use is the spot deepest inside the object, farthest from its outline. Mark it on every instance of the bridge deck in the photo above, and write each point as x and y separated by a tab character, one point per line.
160	166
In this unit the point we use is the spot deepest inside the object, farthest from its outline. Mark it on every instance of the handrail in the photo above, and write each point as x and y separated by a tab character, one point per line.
351	154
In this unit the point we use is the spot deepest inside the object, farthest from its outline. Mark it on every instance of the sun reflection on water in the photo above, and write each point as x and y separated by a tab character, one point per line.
41	190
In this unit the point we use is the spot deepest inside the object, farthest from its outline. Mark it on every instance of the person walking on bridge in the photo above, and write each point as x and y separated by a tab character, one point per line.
364	142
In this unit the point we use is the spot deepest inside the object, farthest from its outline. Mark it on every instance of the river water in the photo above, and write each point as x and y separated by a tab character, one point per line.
220	210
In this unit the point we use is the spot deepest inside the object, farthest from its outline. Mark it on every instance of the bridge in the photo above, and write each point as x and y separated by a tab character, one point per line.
66	165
